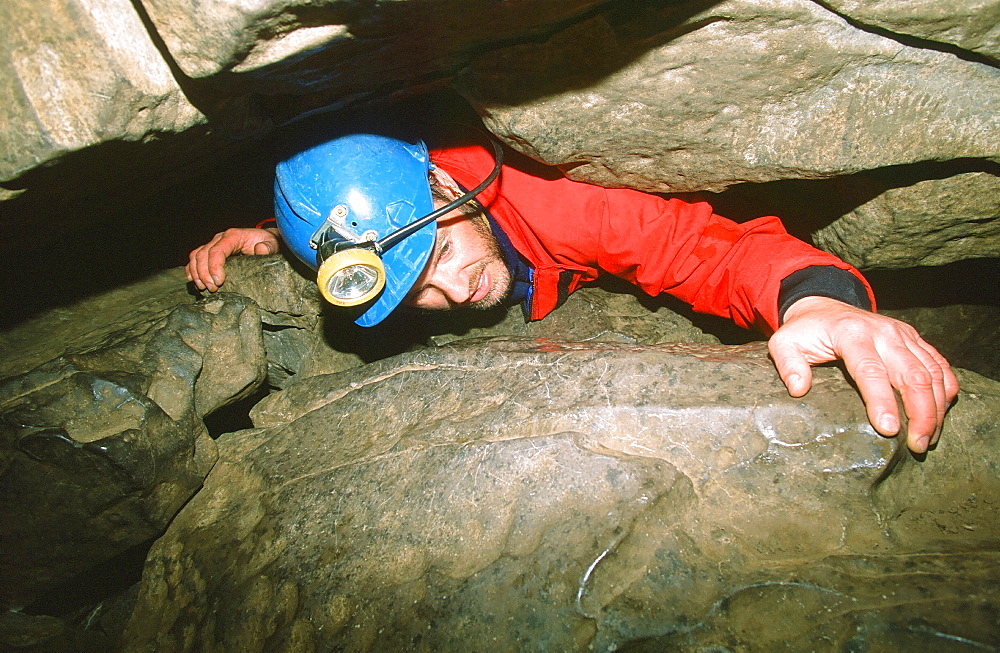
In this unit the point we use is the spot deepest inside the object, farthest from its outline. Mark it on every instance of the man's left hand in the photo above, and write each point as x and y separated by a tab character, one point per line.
880	353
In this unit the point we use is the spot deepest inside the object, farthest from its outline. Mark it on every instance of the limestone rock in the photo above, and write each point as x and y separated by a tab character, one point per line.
164	88
579	496
64	61
79	325
304	337
293	46
610	312
700	97
101	445
84	75
968	24
932	222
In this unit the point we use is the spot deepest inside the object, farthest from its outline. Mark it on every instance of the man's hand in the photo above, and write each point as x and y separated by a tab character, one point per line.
880	353
206	264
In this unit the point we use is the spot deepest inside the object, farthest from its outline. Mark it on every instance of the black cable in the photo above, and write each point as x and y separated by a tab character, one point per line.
417	225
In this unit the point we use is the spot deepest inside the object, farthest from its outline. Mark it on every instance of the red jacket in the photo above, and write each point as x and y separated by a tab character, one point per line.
569	230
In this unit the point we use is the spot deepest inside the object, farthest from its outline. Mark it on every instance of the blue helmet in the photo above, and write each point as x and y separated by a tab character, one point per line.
337	200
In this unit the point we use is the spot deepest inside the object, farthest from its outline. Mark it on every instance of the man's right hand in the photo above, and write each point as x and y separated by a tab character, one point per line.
206	264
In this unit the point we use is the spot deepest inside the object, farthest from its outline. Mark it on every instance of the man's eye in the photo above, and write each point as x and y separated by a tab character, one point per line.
445	249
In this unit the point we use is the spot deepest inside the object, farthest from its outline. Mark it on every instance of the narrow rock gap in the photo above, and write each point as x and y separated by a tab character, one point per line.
912	41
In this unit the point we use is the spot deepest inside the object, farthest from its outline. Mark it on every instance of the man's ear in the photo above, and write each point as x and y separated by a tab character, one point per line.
447	184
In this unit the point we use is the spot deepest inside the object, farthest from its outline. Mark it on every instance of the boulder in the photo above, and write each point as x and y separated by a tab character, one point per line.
531	493
168	88
694	97
663	97
103	403
971	25
101	444
916	225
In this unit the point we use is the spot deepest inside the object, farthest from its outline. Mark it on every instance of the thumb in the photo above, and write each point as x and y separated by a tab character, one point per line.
794	370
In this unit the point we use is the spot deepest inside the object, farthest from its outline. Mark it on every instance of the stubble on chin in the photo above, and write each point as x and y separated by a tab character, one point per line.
499	289
502	284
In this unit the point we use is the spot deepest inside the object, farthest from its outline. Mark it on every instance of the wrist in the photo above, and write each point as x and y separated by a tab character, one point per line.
825	281
813	303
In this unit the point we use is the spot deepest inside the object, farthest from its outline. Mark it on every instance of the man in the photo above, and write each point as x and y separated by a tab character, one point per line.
533	236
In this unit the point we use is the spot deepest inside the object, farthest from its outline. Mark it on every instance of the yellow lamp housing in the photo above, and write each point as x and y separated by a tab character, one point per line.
351	276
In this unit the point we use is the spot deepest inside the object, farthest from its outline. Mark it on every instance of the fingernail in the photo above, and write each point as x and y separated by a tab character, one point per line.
923	443
888	423
216	280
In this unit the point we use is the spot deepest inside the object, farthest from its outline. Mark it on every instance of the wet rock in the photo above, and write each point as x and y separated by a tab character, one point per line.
505	494
102	444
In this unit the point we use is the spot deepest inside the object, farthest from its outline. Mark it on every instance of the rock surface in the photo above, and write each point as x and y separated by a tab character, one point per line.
102	404
916	225
101	444
790	90
103	438
969	24
572	496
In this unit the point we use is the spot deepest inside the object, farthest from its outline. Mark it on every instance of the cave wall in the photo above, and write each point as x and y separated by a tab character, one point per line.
135	129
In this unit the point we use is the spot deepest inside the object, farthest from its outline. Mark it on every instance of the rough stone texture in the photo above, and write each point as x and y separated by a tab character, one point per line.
294	46
534	494
85	76
78	73
102	444
303	337
88	79
972	25
709	96
916	225
102	402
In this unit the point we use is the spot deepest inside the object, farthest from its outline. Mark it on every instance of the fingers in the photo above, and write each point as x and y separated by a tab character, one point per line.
906	364
883	356
206	264
872	378
792	366
931	376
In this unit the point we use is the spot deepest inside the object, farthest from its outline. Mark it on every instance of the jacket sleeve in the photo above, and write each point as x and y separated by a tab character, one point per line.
721	267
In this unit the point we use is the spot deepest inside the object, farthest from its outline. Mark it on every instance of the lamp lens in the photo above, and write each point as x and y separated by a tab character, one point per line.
353	282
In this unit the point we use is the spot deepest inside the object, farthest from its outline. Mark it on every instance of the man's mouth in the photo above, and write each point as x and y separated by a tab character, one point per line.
480	286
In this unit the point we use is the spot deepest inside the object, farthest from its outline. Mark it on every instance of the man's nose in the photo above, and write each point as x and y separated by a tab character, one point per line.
454	286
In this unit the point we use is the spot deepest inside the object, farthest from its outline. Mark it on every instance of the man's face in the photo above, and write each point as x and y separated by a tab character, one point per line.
466	268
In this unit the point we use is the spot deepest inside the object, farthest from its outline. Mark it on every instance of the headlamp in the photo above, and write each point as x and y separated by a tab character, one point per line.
351	277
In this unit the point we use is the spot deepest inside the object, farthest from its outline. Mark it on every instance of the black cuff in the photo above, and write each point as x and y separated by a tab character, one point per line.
825	281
